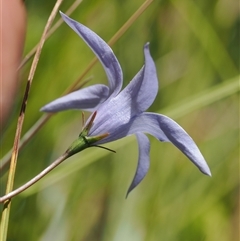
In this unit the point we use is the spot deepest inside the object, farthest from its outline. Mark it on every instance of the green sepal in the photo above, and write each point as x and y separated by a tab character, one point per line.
84	142
77	146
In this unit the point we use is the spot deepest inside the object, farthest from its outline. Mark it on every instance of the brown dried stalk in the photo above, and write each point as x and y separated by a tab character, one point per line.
13	163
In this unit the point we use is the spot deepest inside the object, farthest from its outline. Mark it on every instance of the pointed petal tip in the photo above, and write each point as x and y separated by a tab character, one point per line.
146	46
45	109
204	168
143	161
207	172
63	14
48	109
128	191
65	17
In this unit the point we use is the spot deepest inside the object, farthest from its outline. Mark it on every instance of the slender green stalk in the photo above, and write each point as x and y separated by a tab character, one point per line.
35	179
83	142
13	164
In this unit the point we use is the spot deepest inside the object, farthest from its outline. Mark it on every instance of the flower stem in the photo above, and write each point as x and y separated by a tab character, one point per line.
35	179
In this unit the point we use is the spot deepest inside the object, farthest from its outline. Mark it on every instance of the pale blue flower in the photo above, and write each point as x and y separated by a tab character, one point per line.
122	113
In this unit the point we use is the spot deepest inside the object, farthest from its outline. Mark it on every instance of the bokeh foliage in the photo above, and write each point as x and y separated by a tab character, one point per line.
195	45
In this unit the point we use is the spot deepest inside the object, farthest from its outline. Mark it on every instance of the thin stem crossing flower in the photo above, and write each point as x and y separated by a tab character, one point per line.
118	114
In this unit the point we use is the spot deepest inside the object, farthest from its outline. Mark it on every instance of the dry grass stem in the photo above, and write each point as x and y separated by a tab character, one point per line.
13	163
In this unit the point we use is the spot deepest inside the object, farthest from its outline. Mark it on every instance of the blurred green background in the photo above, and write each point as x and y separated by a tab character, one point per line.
195	45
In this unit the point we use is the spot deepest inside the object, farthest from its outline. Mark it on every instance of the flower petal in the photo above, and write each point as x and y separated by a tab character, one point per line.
102	51
116	115
144	86
85	99
165	129
143	160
